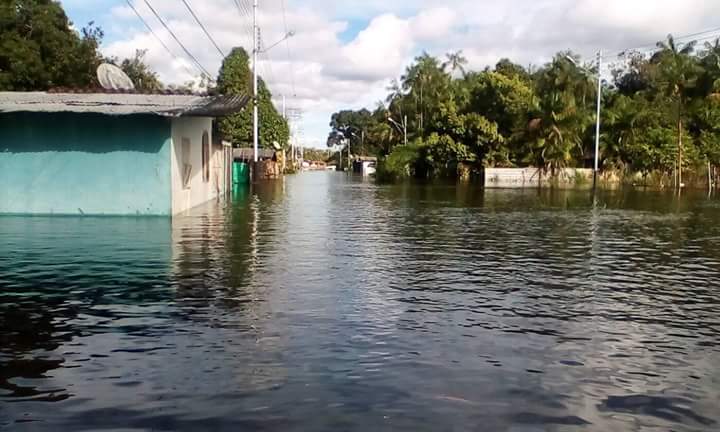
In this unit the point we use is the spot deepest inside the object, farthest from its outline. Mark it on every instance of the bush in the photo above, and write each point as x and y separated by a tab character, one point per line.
400	163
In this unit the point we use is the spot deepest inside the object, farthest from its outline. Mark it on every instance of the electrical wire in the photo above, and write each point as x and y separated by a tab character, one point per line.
244	11
202	26
651	48
159	18
287	46
172	54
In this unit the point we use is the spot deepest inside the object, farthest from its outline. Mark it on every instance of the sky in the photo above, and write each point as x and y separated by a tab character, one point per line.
345	53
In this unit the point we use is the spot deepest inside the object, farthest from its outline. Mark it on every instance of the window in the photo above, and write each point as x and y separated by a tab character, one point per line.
186	166
206	156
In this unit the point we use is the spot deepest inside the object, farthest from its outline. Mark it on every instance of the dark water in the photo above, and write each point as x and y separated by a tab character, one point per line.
330	304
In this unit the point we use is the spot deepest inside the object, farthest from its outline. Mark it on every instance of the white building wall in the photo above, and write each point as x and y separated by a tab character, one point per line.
197	190
527	177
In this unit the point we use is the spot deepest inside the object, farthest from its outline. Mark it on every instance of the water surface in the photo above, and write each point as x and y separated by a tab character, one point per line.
329	303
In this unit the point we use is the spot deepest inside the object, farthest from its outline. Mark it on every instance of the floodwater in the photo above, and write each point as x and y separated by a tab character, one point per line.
328	303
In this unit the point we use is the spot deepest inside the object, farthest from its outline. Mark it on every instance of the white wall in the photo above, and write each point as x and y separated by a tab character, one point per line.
197	191
526	177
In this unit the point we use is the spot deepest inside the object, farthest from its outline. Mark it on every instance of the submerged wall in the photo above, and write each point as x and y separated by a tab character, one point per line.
192	185
64	163
528	177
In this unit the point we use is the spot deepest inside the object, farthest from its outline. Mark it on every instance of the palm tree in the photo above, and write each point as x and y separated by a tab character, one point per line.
678	73
394	99
425	79
456	61
395	90
621	130
561	115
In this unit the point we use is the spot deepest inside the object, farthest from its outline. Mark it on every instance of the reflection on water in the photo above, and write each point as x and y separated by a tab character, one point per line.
329	303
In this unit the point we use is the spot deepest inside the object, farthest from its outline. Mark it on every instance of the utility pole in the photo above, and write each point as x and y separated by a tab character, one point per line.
597	122
293	116
256	48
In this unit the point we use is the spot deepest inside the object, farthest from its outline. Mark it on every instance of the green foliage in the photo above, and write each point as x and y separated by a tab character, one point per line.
311	154
400	163
39	49
659	113
235	78
144	78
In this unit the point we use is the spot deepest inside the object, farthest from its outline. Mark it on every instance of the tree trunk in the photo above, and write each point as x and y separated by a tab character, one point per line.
680	143
680	153
422	111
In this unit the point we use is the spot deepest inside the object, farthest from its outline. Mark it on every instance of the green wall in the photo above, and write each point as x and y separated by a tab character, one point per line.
91	164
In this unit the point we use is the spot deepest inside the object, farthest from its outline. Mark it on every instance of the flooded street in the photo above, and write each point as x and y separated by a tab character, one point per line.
330	303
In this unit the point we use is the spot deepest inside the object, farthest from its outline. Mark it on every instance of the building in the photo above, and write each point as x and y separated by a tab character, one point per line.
111	153
365	165
270	162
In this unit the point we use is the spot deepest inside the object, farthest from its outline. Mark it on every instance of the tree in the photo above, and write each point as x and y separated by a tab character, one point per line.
659	113
353	127
235	78
678	75
144	78
39	49
505	101
425	84
455	62
562	115
512	70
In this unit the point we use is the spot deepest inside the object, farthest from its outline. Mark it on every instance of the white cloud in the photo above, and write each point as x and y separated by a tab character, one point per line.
327	71
376	53
433	23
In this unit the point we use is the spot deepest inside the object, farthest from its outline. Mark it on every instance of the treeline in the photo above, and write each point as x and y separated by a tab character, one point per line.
661	115
40	51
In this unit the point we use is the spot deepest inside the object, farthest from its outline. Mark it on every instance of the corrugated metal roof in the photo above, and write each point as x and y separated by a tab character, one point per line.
122	104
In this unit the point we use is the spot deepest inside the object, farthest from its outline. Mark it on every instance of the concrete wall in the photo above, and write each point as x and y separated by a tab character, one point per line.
511	177
197	190
67	163
528	177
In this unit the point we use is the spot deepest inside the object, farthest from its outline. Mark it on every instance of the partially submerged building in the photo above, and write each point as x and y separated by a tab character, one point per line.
111	153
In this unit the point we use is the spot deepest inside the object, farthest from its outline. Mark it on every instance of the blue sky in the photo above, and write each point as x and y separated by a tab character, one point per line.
82	12
345	53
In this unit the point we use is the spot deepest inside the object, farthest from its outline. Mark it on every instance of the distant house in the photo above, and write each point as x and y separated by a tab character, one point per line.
111	153
364	165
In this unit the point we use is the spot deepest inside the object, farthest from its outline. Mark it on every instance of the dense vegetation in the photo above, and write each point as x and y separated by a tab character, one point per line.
661	112
39	50
236	78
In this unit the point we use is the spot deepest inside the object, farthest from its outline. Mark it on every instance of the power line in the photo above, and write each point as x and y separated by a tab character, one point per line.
156	36
202	26
244	11
677	39
159	18
267	67
657	50
287	46
265	64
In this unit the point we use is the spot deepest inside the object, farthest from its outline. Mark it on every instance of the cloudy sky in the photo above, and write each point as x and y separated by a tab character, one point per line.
345	52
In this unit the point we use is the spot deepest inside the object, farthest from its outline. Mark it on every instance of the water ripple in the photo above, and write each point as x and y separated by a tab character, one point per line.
330	303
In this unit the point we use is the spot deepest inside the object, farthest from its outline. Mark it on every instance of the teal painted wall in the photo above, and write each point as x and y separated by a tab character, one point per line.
91	164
